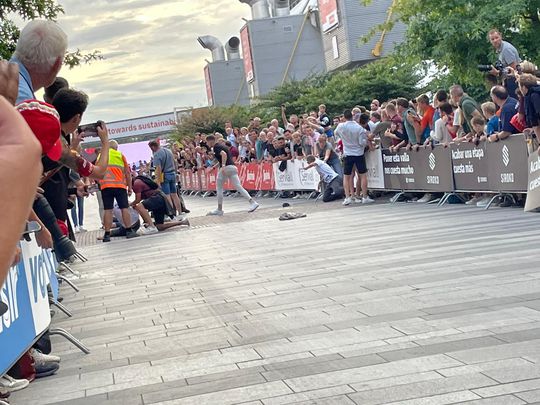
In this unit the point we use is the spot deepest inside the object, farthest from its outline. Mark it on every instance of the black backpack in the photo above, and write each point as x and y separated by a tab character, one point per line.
148	181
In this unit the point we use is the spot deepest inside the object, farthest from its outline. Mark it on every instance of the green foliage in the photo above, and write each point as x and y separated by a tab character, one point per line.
31	10
211	120
453	34
384	79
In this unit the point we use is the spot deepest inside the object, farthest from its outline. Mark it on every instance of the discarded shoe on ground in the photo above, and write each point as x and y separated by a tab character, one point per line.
291	215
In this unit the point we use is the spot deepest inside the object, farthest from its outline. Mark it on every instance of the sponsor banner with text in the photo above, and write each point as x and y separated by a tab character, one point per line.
507	164
25	293
533	189
470	166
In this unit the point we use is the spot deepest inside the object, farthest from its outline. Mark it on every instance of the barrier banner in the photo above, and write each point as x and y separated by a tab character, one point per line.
375	169
433	169
25	293
507	164
294	178
195	180
399	171
203	179
424	170
470	166
251	172
211	176
266	177
188	184
533	189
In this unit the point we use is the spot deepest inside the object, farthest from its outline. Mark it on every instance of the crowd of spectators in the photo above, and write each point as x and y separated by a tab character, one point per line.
52	173
441	117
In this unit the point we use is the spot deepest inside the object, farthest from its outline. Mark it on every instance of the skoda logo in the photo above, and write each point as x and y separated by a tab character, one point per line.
432	161
505	155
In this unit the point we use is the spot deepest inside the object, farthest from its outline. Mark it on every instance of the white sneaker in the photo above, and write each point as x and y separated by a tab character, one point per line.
483	202
179	218
42	359
347	201
147	230
217	213
253	206
9	384
426	198
357	200
473	201
76	229
367	200
82	230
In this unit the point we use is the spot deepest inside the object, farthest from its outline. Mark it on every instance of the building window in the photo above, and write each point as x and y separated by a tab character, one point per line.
294	3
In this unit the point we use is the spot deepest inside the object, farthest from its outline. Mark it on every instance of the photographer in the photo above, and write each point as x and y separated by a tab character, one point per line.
508	56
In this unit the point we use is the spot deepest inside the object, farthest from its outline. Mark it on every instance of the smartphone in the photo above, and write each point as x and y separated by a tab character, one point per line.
90	130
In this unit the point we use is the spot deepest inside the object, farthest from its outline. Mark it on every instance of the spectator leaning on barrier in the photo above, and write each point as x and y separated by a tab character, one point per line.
40	54
529	86
468	107
411	122
489	109
328	155
166	173
333	183
441	133
508	109
427	111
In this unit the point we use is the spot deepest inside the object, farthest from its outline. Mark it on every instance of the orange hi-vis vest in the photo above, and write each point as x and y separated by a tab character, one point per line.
115	176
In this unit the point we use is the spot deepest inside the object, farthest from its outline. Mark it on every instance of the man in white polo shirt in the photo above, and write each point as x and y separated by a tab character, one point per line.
355	141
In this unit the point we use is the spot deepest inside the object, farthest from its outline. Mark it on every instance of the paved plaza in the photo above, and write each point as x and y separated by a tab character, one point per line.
385	304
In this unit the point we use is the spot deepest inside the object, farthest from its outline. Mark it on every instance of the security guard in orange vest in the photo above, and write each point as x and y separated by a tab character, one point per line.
116	185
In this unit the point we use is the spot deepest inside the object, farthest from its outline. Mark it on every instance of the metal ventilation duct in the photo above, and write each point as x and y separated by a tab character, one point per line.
259	8
213	44
281	8
232	47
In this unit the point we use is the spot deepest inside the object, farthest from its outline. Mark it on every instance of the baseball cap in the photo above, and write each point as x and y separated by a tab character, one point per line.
44	121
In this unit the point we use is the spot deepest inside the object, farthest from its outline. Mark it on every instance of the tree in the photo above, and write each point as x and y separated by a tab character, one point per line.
384	79
453	34
31	10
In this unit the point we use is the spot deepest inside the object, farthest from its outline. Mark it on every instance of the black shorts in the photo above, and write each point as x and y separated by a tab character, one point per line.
351	161
110	194
157	205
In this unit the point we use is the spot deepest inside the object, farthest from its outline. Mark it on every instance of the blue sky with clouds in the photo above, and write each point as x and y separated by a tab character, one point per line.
153	62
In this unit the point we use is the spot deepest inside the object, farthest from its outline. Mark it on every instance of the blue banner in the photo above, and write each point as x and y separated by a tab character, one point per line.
25	293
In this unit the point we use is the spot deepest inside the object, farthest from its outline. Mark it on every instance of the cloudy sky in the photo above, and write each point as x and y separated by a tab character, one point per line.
153	60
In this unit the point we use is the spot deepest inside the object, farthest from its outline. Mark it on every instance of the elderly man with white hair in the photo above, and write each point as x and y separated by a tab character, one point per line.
39	53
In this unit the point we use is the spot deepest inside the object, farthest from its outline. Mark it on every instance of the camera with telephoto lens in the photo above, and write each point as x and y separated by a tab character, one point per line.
497	65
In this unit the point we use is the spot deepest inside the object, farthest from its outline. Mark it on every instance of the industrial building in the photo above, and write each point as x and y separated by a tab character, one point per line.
292	39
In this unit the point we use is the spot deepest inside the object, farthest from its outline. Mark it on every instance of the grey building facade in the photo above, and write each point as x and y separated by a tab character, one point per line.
282	48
